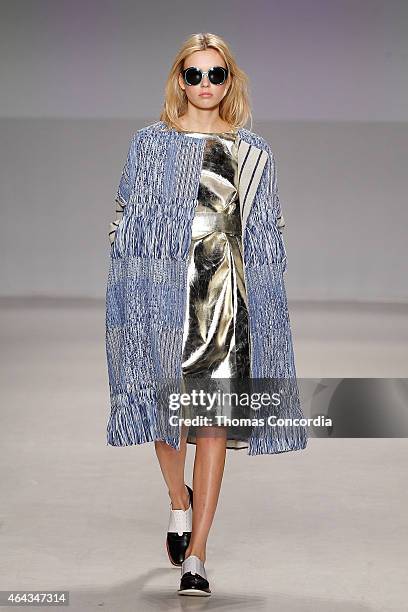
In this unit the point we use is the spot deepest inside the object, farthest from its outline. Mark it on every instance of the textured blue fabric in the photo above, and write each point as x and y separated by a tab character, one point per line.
147	282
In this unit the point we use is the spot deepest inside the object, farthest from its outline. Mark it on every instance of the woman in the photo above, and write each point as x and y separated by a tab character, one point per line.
196	295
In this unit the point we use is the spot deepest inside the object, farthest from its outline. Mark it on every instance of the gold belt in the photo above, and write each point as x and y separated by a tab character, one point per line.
209	221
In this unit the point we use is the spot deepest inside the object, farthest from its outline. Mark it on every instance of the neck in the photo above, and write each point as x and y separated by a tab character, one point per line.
198	123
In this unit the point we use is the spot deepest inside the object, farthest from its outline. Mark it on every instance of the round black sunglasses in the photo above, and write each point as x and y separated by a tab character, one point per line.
193	76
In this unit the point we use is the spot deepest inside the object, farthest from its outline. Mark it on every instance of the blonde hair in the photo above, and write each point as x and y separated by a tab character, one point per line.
234	108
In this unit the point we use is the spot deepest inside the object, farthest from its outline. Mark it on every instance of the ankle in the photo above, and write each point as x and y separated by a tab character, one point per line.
180	500
197	552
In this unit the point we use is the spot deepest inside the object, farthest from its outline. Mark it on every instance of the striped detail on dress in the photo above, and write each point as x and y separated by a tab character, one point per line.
118	218
251	162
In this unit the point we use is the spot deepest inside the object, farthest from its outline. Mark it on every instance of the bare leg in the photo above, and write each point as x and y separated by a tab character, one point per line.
172	464
209	465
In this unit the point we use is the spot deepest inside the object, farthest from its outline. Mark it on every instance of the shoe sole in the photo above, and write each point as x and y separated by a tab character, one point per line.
195	592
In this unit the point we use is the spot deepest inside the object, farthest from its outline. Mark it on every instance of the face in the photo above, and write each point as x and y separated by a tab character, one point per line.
205	60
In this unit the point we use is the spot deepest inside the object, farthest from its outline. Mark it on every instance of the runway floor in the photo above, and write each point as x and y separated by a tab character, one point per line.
321	529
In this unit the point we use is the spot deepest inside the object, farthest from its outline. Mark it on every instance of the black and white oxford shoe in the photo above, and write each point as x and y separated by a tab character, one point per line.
194	578
179	532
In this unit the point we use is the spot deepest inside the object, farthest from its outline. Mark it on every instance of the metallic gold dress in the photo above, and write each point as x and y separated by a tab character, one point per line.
216	342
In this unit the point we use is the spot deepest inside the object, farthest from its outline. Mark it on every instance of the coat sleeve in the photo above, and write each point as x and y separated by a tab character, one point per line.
280	220
124	189
277	206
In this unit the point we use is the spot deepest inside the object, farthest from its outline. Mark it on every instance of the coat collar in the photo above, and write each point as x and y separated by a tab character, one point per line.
251	163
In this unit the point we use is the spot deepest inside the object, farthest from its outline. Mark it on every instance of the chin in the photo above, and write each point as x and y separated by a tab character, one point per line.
207	102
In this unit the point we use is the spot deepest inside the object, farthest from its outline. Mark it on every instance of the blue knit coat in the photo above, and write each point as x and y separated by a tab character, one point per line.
147	284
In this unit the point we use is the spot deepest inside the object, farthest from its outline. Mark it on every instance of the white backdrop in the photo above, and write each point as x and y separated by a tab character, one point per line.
329	92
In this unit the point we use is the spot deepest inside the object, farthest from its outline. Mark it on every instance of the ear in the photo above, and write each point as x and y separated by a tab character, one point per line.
181	82
227	87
